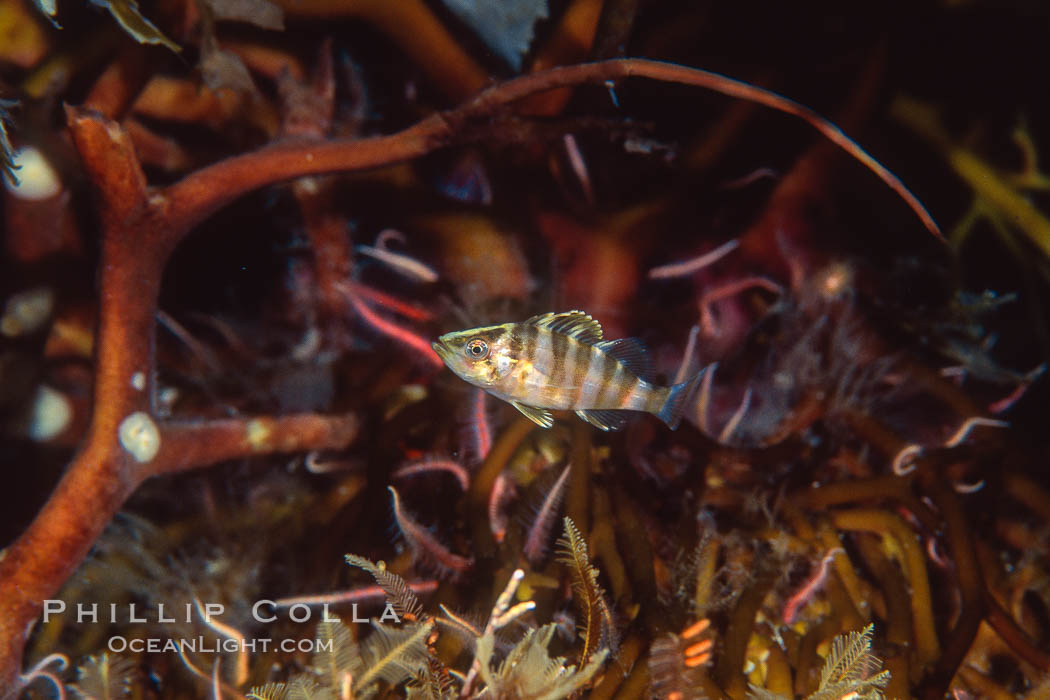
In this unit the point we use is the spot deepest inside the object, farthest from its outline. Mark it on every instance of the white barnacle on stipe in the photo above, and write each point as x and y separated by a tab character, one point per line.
139	436
138	381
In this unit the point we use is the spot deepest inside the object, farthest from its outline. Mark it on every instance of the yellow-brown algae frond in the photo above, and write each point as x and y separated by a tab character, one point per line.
893	528
528	670
400	594
596	626
851	669
499	611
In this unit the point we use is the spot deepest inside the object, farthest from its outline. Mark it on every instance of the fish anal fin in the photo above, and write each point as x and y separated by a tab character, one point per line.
632	353
606	420
539	416
575	324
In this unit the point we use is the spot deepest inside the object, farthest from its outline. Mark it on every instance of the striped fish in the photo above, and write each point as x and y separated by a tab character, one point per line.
560	361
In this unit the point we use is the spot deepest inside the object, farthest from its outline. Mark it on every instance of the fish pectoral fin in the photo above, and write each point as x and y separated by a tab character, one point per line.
606	420
539	416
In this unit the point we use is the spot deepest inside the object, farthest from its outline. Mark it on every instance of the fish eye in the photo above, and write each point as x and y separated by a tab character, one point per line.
477	349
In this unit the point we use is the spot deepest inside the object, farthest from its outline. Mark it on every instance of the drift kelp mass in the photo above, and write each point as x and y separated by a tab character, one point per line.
245	242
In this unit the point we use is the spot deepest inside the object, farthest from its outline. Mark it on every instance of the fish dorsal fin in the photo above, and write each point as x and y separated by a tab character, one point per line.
575	324
606	420
539	416
631	353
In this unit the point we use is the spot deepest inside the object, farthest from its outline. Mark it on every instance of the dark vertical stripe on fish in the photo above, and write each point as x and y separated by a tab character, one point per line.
559	367
572	368
611	378
529	341
576	364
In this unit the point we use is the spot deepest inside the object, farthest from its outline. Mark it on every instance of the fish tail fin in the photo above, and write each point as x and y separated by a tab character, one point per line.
671	412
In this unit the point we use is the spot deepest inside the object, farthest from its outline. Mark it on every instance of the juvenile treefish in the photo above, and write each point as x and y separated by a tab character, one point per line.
560	361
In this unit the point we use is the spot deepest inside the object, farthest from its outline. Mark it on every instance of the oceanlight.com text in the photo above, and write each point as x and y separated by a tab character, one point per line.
203	645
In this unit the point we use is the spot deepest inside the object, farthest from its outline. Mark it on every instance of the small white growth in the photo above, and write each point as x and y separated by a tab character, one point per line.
36	178
409	267
26	312
308	347
308	185
139	436
51	414
138	381
258	434
166	398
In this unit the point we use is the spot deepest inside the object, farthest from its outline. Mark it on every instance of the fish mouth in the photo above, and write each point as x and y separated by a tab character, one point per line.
441	350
